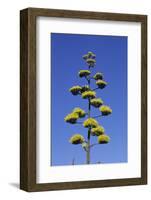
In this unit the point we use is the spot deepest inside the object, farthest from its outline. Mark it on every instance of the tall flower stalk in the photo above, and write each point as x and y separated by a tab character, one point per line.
89	122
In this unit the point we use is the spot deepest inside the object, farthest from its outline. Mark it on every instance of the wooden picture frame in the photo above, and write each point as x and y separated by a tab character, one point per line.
28	99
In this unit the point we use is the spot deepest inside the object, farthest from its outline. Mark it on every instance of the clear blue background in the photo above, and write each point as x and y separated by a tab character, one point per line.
66	60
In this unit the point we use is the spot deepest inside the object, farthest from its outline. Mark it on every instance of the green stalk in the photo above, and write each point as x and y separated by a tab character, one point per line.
89	131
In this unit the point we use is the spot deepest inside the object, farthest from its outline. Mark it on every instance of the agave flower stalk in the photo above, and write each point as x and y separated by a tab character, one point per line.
93	127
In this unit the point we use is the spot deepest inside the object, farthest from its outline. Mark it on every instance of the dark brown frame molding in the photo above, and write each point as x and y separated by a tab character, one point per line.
28	98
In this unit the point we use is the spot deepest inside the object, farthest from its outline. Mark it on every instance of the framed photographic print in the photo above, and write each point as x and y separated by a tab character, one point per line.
83	99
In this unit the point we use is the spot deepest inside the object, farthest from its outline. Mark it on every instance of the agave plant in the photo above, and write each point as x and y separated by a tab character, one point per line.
90	123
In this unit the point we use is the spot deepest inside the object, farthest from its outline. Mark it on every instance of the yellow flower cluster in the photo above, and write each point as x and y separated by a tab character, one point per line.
103	139
80	112
98	76
97	102
76	114
75	90
101	84
71	118
99	130
90	123
76	139
88	94
106	110
84	73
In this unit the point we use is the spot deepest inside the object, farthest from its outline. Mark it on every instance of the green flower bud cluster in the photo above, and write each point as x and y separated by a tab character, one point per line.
98	76
90	59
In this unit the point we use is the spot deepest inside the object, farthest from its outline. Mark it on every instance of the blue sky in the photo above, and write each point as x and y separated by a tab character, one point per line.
66	60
